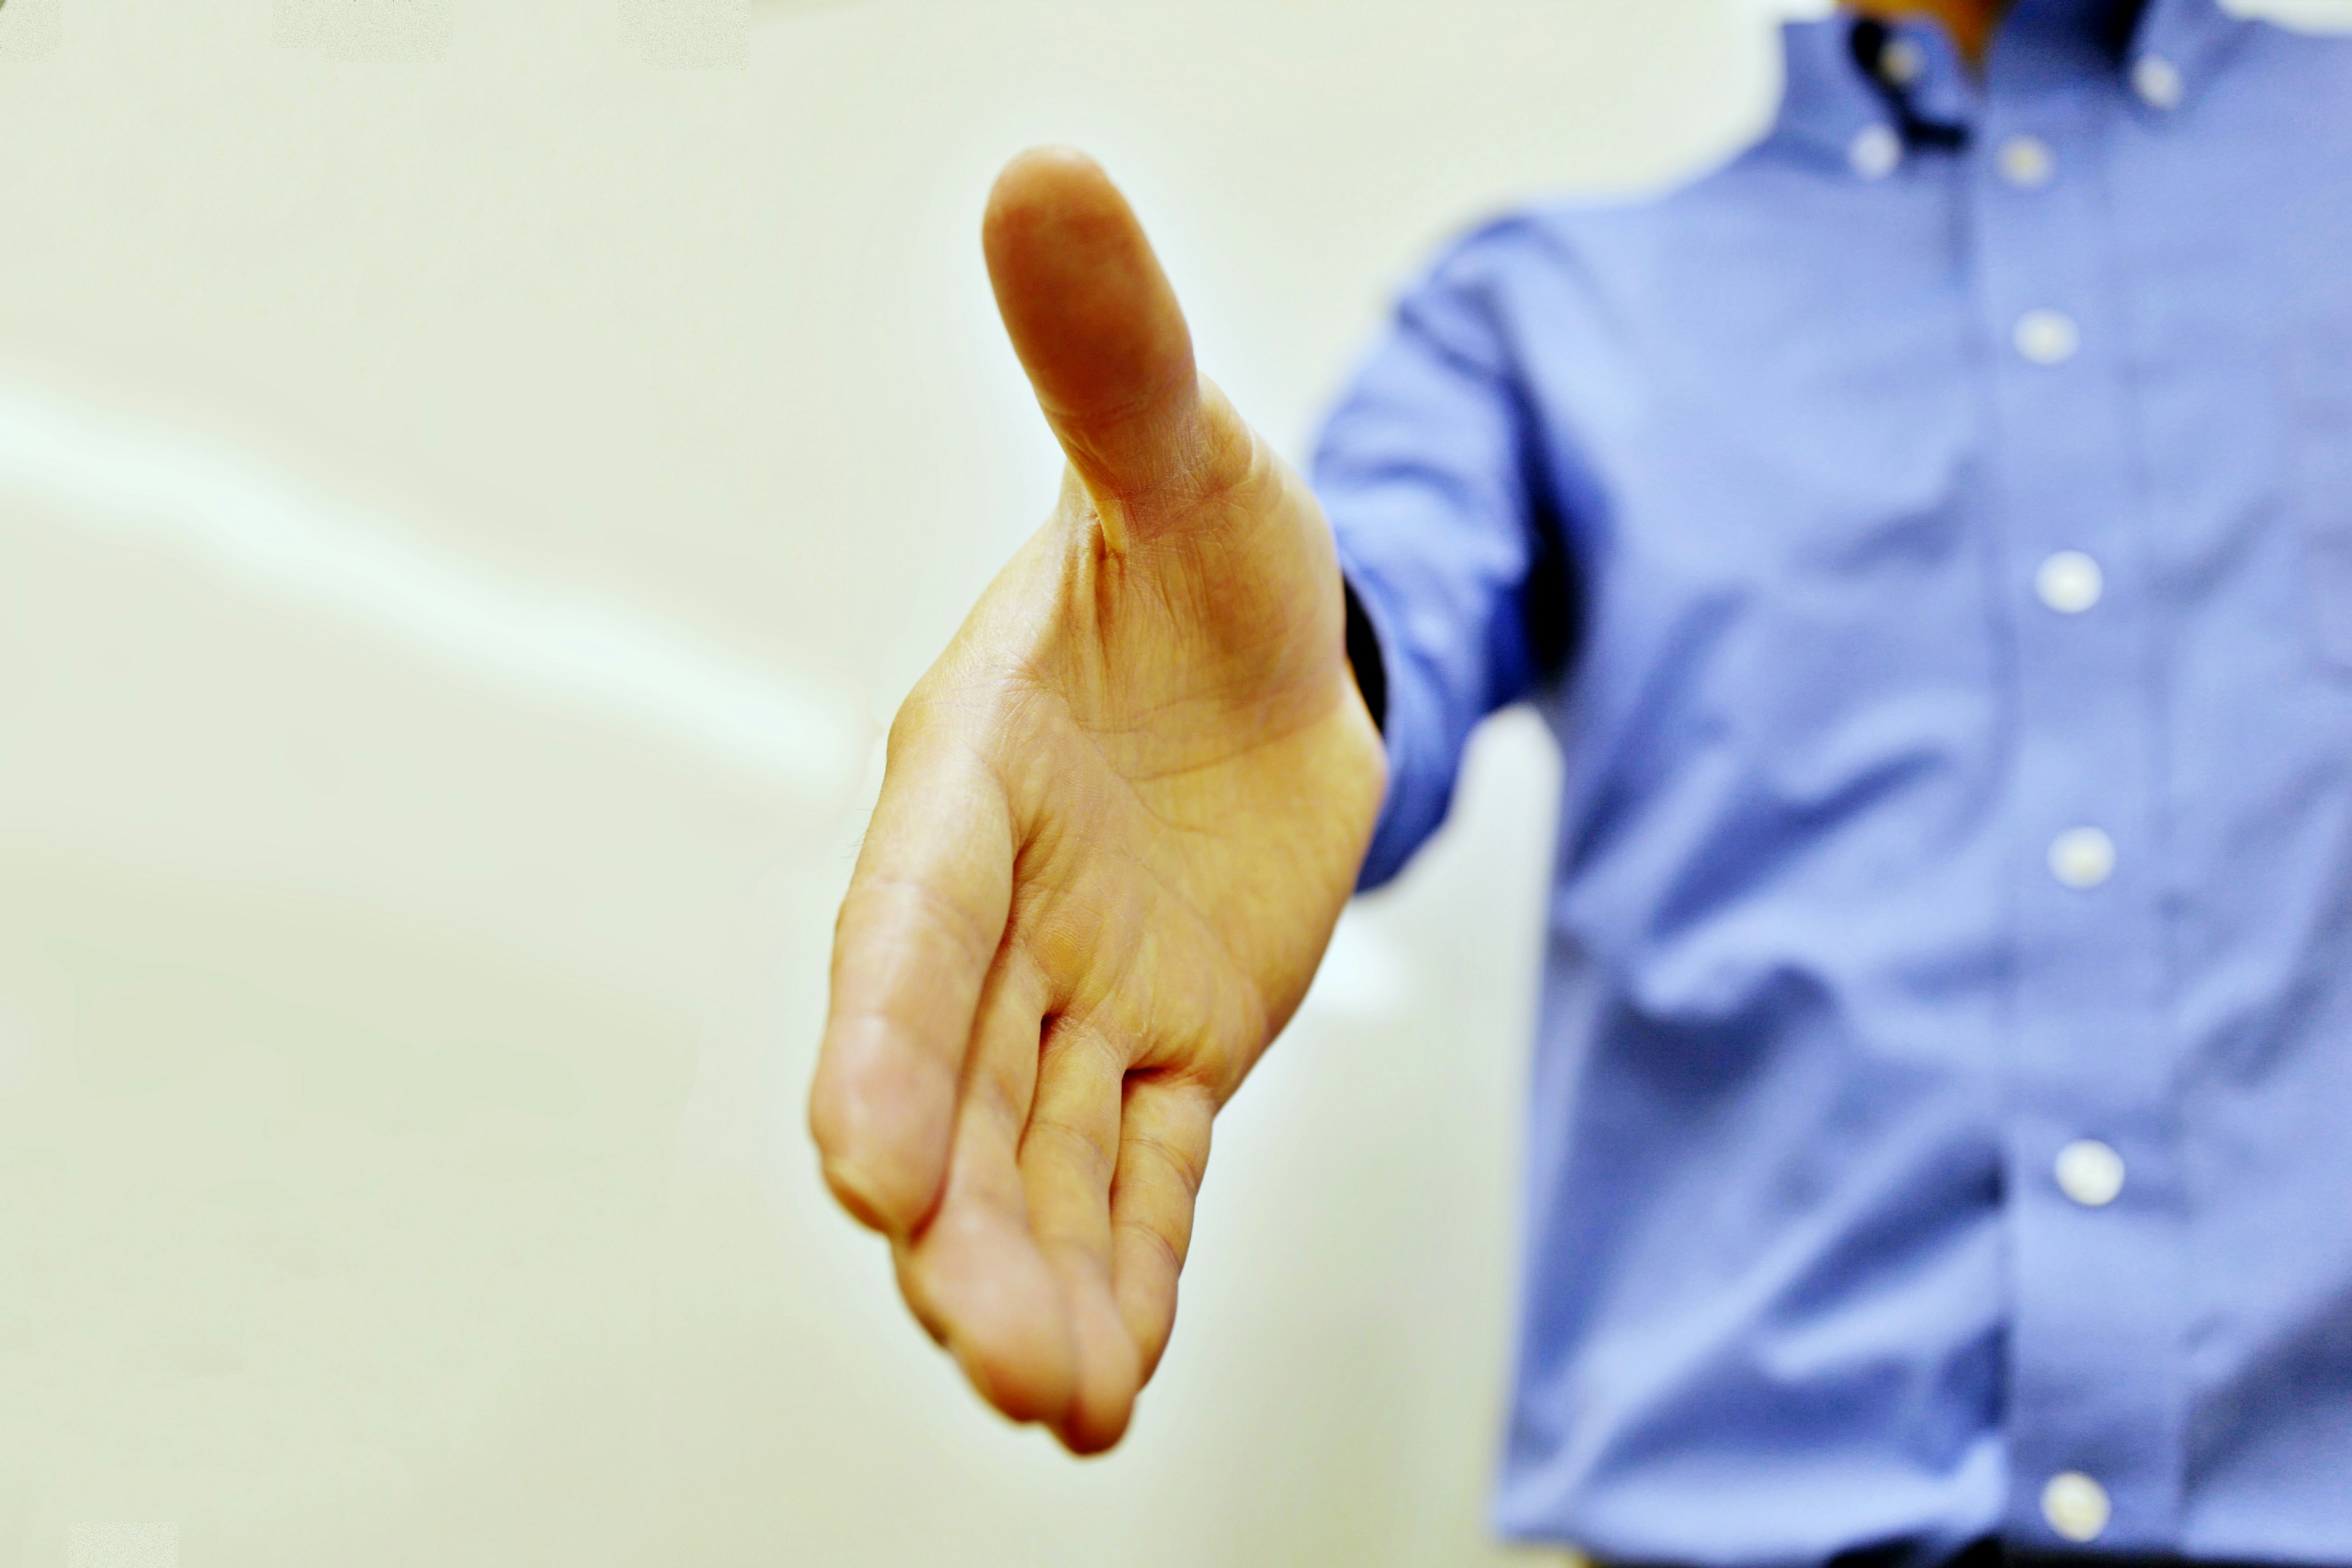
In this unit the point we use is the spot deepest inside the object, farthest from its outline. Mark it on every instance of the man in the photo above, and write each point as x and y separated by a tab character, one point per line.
1930	537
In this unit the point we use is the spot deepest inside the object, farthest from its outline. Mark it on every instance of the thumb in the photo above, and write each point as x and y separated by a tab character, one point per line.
1098	330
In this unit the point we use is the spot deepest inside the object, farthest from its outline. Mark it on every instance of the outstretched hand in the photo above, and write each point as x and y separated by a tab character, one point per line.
1121	817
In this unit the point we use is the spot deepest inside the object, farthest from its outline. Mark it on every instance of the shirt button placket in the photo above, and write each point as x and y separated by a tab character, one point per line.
2089	1044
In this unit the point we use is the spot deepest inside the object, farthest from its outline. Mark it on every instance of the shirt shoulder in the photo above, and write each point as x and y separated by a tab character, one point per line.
1622	250
1569	298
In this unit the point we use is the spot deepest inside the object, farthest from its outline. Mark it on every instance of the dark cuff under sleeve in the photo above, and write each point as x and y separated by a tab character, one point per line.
1364	654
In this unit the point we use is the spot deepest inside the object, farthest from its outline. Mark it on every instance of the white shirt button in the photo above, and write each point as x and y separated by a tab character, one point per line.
2026	162
2077	1507
2090	1172
2069	583
2157	81
2082	858
2048	337
1876	152
1902	62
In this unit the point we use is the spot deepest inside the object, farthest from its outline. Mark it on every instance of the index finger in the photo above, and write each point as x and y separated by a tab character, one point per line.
920	927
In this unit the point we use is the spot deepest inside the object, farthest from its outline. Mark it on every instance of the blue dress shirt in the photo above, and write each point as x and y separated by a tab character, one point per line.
1930	538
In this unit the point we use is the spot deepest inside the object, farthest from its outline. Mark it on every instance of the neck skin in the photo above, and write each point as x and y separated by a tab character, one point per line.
1970	22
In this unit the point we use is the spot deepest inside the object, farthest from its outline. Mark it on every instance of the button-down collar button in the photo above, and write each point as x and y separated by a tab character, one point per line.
2077	1507
2048	337
2026	162
2090	1172
1902	62
1876	152
2069	583
2157	81
2082	858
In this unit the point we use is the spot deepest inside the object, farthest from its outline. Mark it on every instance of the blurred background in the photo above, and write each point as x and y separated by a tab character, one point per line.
474	477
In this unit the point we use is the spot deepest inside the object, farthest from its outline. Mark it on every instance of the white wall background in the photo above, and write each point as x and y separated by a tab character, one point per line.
472	474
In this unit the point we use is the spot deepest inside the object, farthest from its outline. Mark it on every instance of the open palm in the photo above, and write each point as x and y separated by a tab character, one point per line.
1121	815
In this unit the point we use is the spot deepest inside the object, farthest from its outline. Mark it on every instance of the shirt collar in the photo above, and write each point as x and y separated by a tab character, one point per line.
1833	106
2194	37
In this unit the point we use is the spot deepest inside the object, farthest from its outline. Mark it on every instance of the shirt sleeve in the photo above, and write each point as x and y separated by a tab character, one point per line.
1426	469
